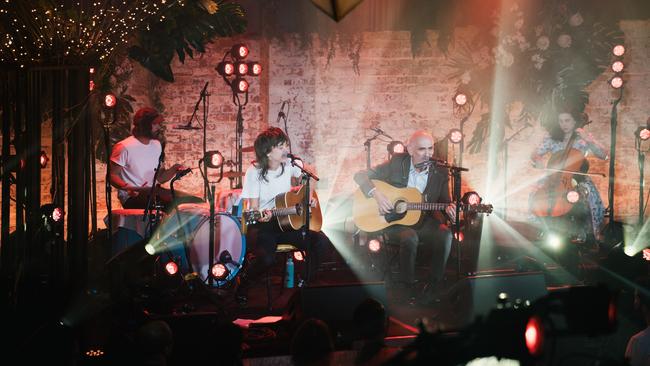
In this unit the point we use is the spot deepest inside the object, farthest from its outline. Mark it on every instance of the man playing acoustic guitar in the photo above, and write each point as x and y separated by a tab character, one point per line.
412	169
266	181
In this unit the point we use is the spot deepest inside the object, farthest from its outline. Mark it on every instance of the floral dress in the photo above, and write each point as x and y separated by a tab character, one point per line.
595	203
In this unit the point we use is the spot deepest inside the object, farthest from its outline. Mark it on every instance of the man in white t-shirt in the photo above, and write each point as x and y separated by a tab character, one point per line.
272	174
134	160
637	352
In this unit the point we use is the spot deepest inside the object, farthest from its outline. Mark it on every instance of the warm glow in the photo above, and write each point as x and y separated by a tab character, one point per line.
644	134
572	196
239	51
44	159
240	85
374	245
110	100
254	68
534	336
297	255
460	99
618	50
616	82
171	268
618	66
455	136
57	214
219	271
242	68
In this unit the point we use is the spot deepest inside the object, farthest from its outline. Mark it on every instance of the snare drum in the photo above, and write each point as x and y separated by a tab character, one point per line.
195	227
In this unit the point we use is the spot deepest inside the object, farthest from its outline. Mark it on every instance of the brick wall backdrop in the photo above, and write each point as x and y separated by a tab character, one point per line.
332	107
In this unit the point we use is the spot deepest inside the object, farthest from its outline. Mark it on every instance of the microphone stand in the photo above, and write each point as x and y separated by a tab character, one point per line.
505	169
306	177
367	144
152	200
239	131
455	172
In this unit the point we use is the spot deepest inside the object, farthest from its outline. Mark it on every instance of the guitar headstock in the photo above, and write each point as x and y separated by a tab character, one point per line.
480	208
251	217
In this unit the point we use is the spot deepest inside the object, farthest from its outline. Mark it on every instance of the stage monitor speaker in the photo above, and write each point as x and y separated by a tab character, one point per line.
334	305
478	295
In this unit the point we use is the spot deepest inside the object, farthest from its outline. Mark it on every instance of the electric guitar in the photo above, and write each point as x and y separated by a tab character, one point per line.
288	212
407	208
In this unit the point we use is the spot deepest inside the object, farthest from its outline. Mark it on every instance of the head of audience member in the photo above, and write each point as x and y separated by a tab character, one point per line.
154	341
370	319
312	343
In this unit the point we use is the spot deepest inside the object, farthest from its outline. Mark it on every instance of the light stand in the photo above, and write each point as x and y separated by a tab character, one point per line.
641	160
211	200
506	144
237	182
612	157
306	177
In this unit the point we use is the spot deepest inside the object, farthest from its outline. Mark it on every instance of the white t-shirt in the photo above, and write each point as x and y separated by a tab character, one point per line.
638	348
277	182
138	162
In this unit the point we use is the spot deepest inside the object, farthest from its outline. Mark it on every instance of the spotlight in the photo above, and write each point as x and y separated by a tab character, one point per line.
57	214
455	136
374	245
297	256
554	241
395	147
171	268
150	249
471	198
219	271
225	68
91	70
213	159
643	133
534	336
240	85
618	66
618	50
254	68
572	196
459	236
646	254
44	159
616	82
52	214
460	99
110	100
241	68
239	51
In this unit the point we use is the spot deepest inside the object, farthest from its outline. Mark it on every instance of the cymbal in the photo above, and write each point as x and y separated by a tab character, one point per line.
233	174
248	149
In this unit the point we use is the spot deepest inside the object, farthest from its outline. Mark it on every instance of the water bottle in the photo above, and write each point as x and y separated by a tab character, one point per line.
288	280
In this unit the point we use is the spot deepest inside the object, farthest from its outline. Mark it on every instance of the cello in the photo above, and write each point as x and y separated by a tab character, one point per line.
550	199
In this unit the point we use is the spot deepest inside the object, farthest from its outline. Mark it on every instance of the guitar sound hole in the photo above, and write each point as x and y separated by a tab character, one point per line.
399	207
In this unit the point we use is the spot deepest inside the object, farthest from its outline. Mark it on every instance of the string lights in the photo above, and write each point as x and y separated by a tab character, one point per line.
49	33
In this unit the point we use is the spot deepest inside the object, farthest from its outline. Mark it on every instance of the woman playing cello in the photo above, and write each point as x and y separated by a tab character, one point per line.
567	129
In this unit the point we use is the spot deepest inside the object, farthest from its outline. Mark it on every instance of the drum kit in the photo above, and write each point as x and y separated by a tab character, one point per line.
182	236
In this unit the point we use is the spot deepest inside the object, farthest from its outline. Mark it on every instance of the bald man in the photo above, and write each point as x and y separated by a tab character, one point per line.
407	170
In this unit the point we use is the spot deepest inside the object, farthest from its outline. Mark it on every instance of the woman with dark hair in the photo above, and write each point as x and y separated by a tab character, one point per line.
568	128
270	175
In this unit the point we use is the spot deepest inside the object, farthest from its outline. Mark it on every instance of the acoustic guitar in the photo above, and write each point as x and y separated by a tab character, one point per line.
407	208
288	212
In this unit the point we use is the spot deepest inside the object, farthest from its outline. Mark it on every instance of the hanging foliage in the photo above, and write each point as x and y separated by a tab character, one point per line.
543	57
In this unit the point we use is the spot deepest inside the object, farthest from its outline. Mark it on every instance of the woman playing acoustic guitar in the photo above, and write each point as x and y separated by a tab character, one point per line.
568	144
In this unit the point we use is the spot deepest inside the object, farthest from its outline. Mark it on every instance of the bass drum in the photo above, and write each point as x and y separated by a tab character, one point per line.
229	242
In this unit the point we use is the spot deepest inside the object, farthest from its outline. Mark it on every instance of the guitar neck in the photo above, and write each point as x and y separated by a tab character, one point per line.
284	211
426	206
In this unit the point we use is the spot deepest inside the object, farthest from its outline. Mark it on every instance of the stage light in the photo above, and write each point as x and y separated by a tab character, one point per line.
91	70
616	82
225	68
297	256
254	68
374	245
110	100
618	50
455	136
219	271
643	133
171	268
43	159
57	214
240	85
459	236
646	254
241	68
572	196
213	159
618	66
239	51
91	85
534	336
460	99
471	198
150	249
396	147
554	241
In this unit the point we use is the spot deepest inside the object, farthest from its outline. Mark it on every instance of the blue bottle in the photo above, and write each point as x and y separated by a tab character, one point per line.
288	280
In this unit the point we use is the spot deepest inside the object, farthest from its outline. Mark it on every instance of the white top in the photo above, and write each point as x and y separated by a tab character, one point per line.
638	348
138	162
276	182
417	179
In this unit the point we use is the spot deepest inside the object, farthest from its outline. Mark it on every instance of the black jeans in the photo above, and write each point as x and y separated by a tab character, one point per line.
428	232
262	240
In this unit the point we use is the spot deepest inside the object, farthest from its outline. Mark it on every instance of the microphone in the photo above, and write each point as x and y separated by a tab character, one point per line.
182	173
281	112
380	131
293	157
